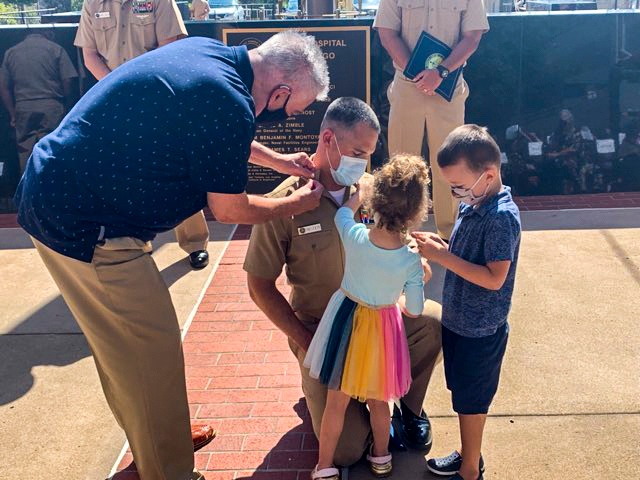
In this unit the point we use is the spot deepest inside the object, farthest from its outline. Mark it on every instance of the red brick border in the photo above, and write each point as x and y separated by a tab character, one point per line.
569	202
244	381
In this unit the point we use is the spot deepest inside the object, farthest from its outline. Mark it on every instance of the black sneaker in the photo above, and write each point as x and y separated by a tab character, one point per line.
449	465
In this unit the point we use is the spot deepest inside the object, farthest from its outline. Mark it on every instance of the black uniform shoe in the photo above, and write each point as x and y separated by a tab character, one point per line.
415	430
199	259
450	465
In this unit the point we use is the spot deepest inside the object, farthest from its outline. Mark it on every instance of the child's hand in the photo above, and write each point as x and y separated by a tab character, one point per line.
365	186
427	270
430	245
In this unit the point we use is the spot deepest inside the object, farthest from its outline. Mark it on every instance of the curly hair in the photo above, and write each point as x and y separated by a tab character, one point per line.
400	193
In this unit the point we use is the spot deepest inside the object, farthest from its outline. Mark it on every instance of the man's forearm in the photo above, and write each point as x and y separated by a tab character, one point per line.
463	50
249	209
263	155
268	298
395	47
169	40
95	64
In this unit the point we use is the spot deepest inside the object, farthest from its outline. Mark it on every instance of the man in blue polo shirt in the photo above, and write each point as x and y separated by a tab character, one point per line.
155	141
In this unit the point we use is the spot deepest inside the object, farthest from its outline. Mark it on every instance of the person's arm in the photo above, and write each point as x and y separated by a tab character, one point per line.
7	96
169	26
500	244
268	298
395	46
463	50
365	185
413	300
166	41
251	209
295	164
95	63
86	40
490	276
388	24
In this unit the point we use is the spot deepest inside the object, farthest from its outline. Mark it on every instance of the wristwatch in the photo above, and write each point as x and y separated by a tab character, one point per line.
443	71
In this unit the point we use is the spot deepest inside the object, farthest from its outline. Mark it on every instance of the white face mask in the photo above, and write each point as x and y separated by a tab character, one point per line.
466	196
350	169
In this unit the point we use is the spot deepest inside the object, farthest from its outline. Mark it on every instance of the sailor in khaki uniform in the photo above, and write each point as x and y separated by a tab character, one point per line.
415	107
36	88
112	32
200	10
310	249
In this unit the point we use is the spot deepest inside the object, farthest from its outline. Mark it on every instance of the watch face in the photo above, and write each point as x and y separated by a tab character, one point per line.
444	73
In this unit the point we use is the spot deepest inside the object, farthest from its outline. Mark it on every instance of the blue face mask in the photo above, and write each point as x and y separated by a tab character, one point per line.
466	196
350	170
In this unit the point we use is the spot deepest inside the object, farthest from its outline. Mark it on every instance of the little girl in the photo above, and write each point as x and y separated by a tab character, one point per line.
360	348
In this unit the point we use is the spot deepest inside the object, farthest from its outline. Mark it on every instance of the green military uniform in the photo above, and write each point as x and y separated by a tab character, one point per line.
35	70
314	266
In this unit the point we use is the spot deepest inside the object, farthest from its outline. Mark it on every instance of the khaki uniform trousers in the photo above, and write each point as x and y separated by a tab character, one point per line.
193	233
124	309
424	336
412	111
34	120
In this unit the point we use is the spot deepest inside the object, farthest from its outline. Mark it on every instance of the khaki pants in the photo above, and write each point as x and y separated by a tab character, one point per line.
124	309
193	233
411	113
424	335
34	120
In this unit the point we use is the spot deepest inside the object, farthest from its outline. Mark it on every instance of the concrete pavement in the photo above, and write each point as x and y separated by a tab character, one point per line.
568	404
54	421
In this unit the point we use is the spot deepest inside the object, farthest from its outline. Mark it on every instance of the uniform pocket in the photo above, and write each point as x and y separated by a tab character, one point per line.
411	4
454	5
144	30
103	29
314	243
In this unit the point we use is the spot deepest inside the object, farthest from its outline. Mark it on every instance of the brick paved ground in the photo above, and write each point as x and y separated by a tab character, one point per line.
243	380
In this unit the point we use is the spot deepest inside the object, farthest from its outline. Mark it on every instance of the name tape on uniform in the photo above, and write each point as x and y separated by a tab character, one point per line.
103	14
316	227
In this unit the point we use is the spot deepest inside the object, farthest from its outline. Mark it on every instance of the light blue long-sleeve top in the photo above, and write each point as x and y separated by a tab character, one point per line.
376	275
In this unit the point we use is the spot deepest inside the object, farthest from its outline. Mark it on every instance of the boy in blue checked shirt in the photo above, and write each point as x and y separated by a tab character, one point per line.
481	261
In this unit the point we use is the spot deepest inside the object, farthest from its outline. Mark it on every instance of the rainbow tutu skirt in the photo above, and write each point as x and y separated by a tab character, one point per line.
361	350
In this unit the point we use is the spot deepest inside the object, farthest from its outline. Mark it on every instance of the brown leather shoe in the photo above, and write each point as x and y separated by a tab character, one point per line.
202	435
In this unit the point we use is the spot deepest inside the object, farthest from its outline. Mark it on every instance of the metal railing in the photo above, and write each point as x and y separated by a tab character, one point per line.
24	17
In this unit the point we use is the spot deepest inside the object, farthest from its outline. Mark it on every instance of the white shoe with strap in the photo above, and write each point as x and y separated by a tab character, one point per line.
331	473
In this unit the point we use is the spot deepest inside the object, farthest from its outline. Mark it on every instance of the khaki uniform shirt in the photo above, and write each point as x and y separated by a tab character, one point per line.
314	261
200	10
124	29
446	20
36	67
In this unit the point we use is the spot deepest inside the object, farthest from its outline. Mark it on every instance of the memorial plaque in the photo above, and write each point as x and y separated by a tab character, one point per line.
347	52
